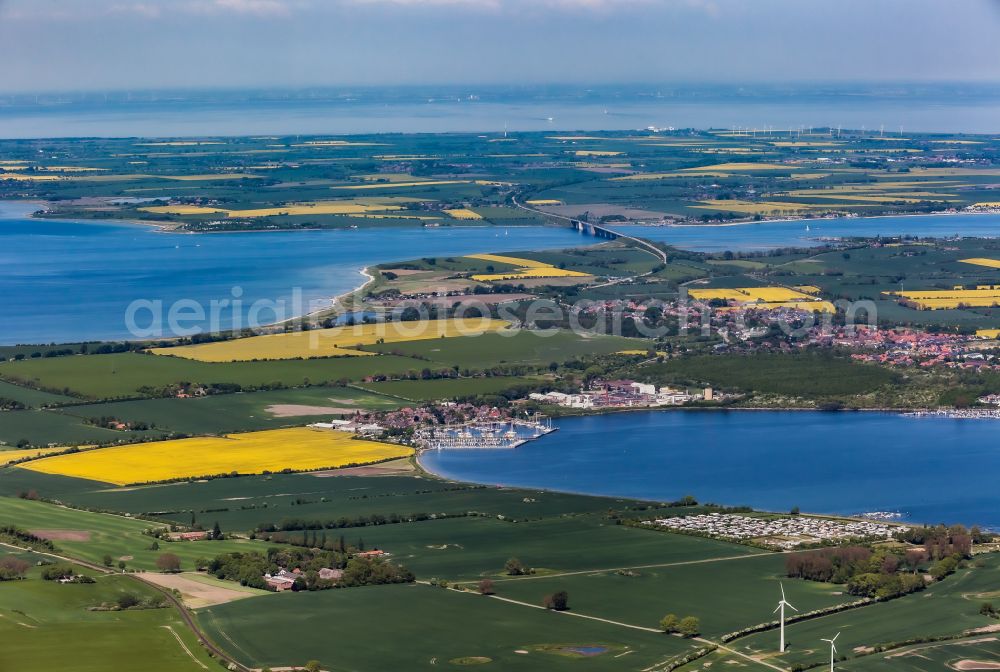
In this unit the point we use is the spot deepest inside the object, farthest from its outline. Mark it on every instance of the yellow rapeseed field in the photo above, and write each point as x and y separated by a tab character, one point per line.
756	207
345	207
513	261
988	333
548	272
526	268
463	213
744	166
943	299
544	201
8	456
335	342
772	294
297	448
30	177
767	297
721	293
395	185
982	261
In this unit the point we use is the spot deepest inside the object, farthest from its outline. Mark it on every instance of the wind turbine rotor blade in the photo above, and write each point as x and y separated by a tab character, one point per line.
782	586
790	606
776	608
835	637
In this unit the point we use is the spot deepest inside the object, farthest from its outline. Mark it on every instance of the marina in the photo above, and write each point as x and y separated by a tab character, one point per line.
484	435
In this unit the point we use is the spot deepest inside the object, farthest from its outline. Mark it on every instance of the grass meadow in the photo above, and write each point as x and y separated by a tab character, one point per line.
423	628
122	375
946	608
726	595
39	618
446	388
117	536
249	411
525	347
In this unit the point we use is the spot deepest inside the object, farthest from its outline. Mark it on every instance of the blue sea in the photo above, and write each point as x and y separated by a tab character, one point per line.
962	108
928	469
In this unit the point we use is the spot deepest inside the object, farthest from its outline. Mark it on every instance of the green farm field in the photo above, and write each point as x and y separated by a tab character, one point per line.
107	534
248	411
934	656
44	427
121	375
800	374
38	618
521	348
472	548
31	398
447	388
948	608
241	504
726	595
431	629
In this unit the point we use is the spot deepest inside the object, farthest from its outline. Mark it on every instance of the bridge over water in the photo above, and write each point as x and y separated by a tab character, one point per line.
600	231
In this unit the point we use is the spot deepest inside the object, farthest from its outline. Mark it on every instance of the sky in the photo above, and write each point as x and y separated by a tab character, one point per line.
100	45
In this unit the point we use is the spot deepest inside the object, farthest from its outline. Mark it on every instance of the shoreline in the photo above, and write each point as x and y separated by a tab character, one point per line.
788	220
369	279
166	227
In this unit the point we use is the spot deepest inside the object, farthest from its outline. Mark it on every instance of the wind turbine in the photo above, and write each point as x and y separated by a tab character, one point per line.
833	649
781	607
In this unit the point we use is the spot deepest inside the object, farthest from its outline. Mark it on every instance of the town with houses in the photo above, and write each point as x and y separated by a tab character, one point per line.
624	394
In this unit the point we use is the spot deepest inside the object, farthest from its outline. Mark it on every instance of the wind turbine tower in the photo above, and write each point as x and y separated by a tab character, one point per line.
833	649
781	617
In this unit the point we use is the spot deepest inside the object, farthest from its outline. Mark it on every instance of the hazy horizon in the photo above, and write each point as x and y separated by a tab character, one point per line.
114	45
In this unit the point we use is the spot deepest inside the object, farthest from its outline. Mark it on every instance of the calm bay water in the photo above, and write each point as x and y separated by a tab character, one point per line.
929	469
69	281
808	233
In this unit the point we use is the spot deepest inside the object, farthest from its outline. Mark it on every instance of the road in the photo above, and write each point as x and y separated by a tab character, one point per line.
643	244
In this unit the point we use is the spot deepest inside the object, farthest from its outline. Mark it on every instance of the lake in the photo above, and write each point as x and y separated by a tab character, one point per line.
929	469
64	281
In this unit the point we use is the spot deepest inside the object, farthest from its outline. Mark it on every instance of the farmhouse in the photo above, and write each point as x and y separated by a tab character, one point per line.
327	574
196	535
375	553
282	580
